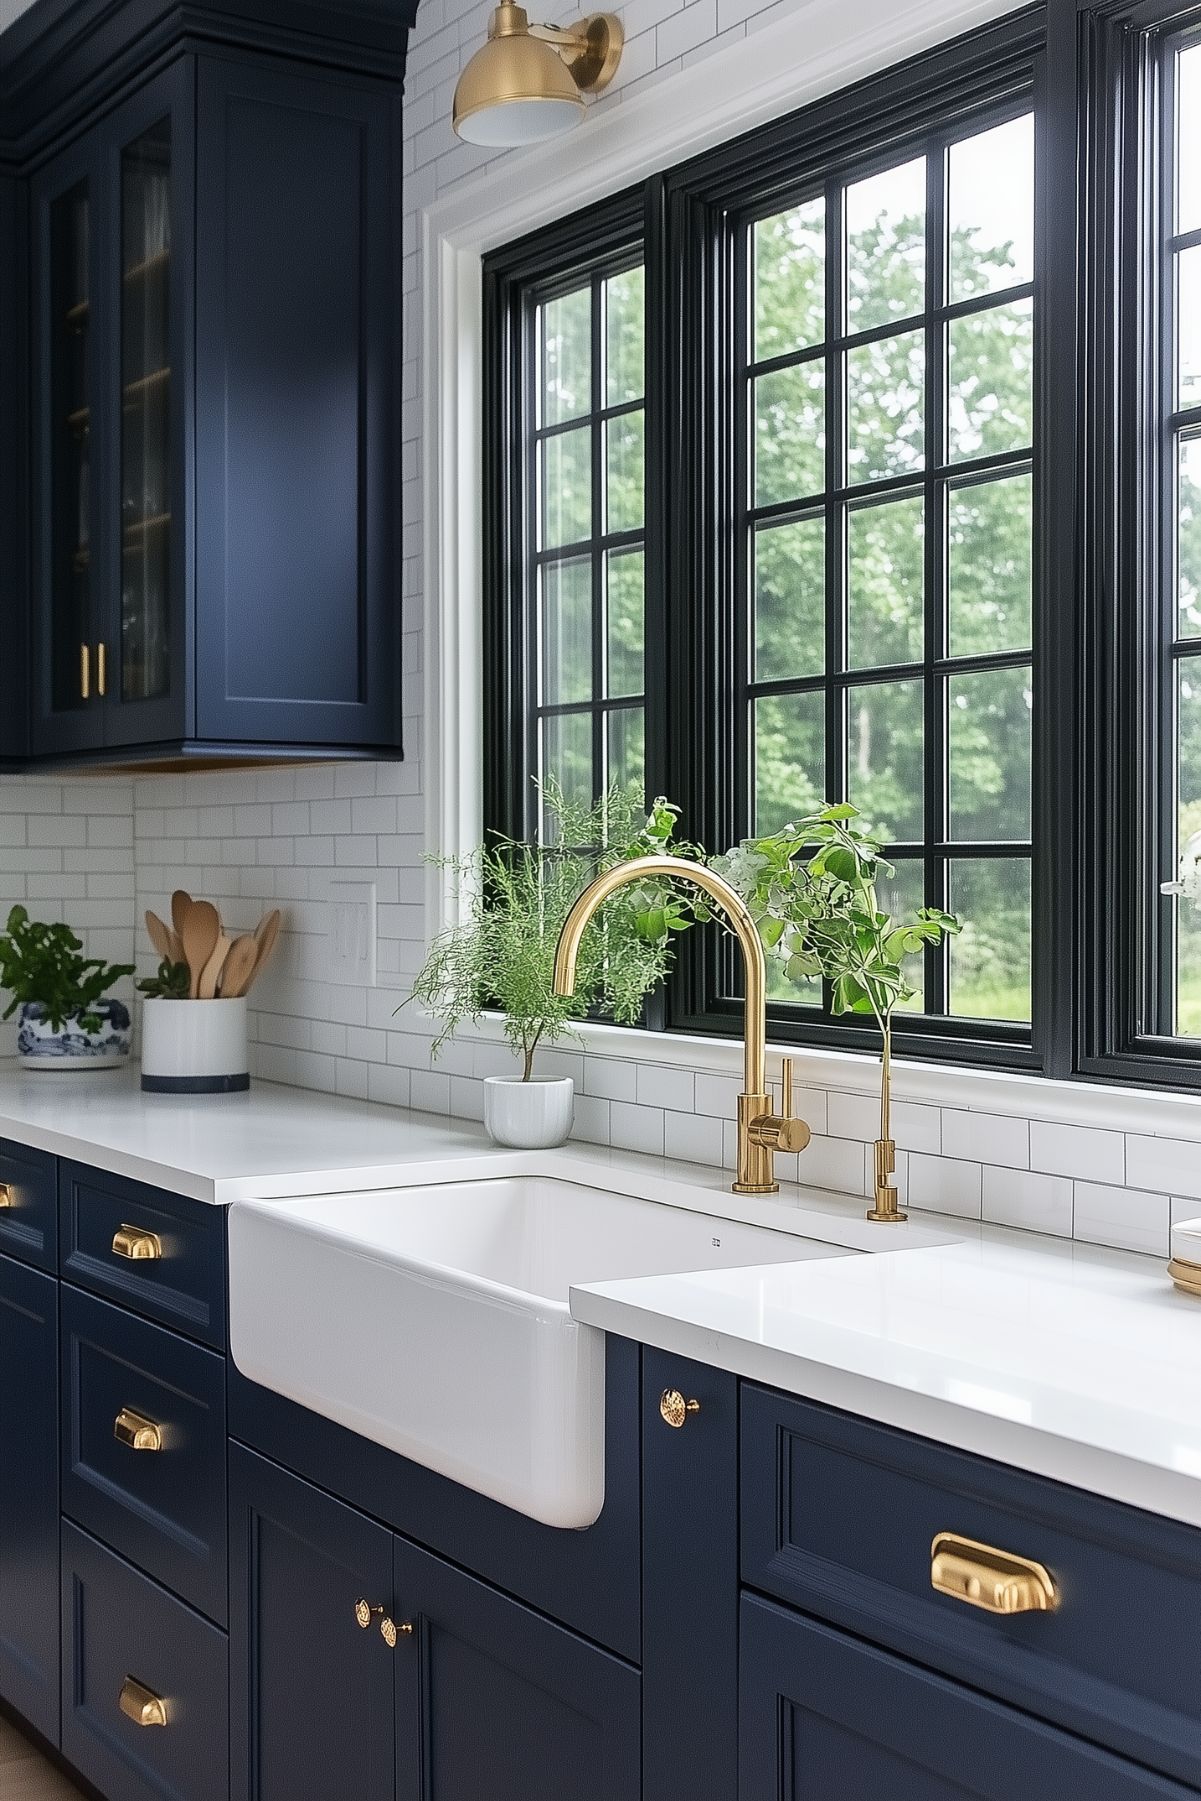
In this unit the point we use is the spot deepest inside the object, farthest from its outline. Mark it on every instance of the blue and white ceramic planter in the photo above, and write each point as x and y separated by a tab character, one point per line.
42	1046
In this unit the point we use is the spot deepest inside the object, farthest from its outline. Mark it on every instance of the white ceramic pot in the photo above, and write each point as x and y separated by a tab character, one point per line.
194	1047
72	1045
528	1116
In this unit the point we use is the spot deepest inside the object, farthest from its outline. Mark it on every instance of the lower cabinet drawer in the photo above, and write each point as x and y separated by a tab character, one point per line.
822	1715
28	1204
842	1518
145	1683
144	1447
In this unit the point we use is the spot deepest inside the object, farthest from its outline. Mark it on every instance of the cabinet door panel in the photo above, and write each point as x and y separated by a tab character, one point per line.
297	597
825	1717
312	1712
495	1700
69	544
14	463
29	1495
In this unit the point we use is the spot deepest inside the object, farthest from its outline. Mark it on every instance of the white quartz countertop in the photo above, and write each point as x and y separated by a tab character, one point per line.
219	1147
1073	1362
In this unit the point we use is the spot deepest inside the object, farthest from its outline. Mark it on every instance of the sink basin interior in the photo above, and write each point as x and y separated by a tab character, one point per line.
542	1235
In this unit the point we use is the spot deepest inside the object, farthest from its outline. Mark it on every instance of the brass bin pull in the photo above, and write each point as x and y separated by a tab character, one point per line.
136	1431
138	1245
140	1704
984	1577
6	1195
674	1409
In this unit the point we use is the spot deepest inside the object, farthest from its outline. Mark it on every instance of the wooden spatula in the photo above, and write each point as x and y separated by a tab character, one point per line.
181	901
265	934
238	967
164	939
202	929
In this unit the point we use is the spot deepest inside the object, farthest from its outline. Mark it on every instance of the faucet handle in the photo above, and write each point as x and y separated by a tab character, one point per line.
786	1087
780	1131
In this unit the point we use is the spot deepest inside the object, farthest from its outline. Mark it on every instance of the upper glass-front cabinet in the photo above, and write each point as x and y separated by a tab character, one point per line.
107	426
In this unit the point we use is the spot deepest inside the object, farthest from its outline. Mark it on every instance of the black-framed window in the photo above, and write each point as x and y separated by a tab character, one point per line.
928	535
884	568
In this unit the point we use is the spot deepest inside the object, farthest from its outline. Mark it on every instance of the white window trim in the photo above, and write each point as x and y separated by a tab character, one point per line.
624	140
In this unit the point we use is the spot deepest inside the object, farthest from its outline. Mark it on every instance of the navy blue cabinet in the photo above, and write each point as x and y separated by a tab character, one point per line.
312	1708
364	1665
29	1640
495	1699
825	1717
14	519
215	429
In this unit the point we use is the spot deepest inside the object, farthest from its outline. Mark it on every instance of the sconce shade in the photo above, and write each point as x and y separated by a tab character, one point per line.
524	85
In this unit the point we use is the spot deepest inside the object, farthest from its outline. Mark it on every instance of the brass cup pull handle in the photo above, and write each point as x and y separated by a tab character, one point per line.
136	1431
391	1630
674	1409
140	1704
996	1581
7	1196
138	1245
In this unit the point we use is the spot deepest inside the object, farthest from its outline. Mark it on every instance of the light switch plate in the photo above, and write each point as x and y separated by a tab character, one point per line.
350	934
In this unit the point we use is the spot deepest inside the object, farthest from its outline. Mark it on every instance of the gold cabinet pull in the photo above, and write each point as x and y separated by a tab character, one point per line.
984	1577
391	1630
675	1409
137	1244
85	672
140	1704
136	1431
101	669
7	1195
364	1613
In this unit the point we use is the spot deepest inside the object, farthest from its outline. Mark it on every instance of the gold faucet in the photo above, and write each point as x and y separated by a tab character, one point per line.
761	1131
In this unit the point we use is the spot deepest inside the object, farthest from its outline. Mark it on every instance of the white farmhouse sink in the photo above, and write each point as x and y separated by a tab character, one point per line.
435	1320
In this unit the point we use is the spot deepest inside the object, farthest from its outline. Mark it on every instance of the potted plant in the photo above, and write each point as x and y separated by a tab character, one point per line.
513	899
812	891
65	1021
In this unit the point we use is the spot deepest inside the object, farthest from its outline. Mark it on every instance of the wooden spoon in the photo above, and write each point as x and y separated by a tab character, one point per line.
201	931
265	934
238	967
210	975
181	903
164	939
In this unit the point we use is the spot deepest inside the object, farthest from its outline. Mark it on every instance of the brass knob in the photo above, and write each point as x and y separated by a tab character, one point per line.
391	1630
675	1409
364	1613
140	1704
136	1431
137	1244
6	1194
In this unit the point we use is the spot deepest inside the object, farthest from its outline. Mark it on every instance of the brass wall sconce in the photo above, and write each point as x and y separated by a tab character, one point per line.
528	82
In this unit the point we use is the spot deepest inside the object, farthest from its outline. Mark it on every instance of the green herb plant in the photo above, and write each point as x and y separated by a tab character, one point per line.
811	889
512	901
170	982
42	963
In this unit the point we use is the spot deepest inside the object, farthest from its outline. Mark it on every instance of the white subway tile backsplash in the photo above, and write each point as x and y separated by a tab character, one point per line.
1123	1217
636	1128
1037	1203
986	1137
914	1127
693	1138
943	1185
832	1163
1169	1164
659	1086
1082	1151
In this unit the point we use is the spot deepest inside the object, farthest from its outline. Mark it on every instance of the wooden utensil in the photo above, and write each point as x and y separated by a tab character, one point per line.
210	975
201	931
238	968
265	934
181	901
164	939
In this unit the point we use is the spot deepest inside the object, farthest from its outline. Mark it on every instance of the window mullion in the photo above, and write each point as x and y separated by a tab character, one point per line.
936	773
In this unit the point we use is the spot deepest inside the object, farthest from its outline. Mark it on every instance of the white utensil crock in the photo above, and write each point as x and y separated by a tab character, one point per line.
528	1116
194	1047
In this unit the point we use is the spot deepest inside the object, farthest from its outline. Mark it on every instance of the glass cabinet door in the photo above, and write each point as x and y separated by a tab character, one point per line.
72	670
145	436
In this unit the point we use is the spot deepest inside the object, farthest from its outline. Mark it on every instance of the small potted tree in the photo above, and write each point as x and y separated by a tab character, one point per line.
812	891
65	1020
499	955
